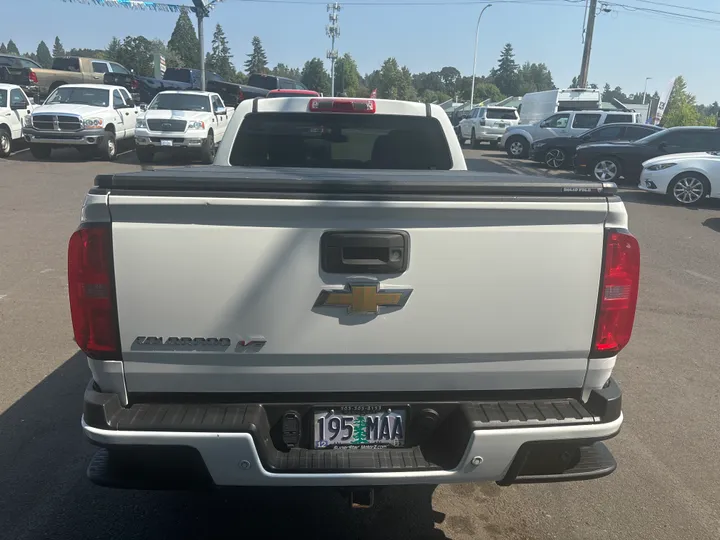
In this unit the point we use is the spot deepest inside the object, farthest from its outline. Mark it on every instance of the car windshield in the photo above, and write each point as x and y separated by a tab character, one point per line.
96	97
180	102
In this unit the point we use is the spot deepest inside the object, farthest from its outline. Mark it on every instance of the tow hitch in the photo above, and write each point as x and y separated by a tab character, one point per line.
361	498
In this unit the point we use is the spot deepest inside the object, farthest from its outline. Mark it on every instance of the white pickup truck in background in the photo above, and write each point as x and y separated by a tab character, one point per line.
181	122
94	118
338	302
14	107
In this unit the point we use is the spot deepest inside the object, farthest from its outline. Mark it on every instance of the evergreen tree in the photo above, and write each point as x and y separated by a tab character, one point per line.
12	48
681	109
257	59
184	42
281	70
58	49
218	61
43	55
3	48
505	75
347	78
315	77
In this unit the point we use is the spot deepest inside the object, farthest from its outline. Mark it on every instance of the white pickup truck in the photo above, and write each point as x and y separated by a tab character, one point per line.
93	118
338	302
14	107
182	121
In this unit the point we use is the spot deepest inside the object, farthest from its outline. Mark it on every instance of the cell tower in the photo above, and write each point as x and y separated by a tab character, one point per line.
333	31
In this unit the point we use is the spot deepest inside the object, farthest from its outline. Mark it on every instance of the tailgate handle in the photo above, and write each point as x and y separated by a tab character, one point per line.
373	252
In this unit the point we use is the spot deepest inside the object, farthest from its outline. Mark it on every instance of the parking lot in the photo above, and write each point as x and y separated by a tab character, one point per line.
667	485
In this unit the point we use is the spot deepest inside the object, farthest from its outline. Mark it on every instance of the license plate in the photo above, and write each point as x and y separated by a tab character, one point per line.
501	124
165	142
359	426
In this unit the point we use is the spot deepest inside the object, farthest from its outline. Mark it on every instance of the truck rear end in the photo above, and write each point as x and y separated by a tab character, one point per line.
332	304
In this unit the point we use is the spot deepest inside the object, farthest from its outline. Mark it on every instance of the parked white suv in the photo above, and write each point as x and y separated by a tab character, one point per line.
90	117
517	139
182	121
487	124
14	107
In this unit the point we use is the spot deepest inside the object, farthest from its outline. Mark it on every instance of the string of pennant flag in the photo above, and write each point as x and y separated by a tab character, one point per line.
134	5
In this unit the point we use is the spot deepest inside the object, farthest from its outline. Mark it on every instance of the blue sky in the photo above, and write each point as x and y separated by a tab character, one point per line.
628	45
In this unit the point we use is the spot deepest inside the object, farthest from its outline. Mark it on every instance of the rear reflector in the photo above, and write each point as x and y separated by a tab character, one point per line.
342	105
92	296
618	294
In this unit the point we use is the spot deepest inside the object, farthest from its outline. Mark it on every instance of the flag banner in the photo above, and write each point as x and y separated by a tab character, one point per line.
662	104
134	5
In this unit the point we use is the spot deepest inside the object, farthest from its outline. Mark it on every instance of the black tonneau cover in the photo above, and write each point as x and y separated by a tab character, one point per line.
299	181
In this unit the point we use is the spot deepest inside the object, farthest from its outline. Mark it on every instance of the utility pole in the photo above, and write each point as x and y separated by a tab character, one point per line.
592	11
333	31
202	10
645	91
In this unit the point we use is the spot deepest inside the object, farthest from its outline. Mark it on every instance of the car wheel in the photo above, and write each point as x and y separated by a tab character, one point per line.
555	158
5	143
108	146
207	152
607	169
40	151
517	147
474	143
144	155
688	189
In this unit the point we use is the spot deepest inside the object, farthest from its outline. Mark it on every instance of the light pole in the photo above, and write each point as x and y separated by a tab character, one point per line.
477	36
645	91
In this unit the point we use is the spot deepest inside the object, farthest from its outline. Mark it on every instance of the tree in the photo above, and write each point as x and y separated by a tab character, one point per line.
681	109
534	78
136	53
505	75
89	53
3	48
450	77
257	59
281	70
347	78
184	42
112	51
315	77
219	60
58	49
12	48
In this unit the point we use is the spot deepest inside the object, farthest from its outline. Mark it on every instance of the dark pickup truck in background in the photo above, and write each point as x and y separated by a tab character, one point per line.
19	70
189	79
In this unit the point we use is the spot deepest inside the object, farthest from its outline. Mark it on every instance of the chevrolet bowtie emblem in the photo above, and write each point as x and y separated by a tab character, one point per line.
363	298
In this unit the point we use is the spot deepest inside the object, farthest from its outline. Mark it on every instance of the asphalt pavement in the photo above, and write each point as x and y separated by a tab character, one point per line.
667	485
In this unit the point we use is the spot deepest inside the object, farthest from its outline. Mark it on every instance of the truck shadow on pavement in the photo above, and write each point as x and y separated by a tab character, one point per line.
44	492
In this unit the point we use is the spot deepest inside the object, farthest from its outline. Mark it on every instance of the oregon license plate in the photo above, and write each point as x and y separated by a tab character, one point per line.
359	426
165	142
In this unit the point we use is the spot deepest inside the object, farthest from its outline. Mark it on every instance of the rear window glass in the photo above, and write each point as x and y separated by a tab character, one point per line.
501	114
66	64
618	118
342	141
261	81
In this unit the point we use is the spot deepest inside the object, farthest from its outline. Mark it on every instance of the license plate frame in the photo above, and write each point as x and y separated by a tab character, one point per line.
166	142
357	418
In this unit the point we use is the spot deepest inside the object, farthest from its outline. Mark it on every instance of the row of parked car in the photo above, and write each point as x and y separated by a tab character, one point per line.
96	118
611	146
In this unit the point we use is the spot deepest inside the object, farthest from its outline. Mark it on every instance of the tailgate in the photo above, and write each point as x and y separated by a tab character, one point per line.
225	293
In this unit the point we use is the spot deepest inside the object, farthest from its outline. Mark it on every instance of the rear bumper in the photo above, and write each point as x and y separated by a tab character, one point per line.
489	134
196	445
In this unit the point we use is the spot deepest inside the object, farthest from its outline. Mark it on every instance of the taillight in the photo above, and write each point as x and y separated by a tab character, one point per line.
32	77
618	294
342	105
482	122
134	84
241	96
92	295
